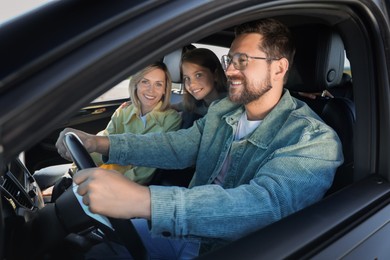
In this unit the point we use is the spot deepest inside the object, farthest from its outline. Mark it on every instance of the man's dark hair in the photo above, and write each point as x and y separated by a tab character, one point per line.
277	40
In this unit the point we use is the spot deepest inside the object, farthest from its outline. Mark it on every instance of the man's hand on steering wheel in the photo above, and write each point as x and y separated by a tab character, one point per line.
61	146
108	193
92	143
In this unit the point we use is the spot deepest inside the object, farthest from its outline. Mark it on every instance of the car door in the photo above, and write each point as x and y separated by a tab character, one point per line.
352	223
91	119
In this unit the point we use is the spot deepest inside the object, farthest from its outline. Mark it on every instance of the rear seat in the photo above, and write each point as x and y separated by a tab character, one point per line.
344	89
180	177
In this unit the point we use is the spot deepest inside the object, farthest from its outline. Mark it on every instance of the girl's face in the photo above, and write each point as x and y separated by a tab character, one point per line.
151	89
198	81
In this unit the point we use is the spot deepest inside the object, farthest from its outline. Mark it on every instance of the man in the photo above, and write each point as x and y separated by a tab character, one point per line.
256	153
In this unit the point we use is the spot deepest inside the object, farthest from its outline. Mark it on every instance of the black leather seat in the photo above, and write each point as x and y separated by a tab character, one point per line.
318	66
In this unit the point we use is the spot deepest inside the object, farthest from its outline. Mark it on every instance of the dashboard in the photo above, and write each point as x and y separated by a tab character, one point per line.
19	188
26	218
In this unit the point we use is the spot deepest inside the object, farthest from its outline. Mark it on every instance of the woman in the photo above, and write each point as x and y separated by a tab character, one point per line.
149	111
204	81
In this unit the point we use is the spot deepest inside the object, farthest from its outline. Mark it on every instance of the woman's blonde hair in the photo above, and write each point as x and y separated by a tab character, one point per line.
136	78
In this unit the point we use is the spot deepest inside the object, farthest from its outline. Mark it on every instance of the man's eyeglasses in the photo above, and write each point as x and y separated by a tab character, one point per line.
240	60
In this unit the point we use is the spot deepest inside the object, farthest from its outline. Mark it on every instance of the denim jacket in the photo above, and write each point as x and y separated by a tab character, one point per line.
286	164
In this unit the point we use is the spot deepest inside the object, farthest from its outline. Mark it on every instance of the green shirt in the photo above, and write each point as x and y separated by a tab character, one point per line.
127	119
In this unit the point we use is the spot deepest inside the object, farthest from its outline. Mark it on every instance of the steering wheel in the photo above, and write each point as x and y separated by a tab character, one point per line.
66	208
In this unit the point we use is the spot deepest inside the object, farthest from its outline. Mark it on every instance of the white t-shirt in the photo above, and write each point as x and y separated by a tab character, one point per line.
244	128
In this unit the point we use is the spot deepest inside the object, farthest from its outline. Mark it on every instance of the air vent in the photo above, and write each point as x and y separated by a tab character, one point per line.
16	192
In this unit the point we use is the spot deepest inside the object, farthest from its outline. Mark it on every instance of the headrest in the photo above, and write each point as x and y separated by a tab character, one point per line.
173	59
319	59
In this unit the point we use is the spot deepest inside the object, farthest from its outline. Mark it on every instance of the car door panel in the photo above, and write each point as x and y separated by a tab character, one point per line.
368	241
91	119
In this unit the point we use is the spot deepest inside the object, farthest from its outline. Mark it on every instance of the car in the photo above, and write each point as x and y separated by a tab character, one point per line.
60	57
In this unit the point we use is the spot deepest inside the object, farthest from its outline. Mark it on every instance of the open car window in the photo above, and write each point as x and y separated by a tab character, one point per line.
120	91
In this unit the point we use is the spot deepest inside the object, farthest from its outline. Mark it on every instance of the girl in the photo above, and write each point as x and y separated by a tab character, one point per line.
204	81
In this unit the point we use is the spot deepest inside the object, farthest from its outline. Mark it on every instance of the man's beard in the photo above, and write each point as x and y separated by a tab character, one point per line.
247	94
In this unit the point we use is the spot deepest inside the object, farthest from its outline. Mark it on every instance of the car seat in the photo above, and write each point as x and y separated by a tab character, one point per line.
176	177
173	61
319	66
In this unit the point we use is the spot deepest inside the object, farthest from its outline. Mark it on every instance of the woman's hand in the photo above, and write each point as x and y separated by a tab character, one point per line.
125	104
324	94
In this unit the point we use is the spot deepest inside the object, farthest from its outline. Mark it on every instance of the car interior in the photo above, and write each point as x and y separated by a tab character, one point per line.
322	48
318	67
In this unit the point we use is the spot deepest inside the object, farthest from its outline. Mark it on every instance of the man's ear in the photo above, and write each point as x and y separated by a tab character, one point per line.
279	68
